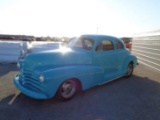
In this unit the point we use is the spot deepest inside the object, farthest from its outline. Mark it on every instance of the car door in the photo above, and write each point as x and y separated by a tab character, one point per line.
105	57
121	55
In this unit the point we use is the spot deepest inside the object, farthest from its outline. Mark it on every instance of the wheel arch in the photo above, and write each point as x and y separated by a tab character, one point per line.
127	62
78	83
131	62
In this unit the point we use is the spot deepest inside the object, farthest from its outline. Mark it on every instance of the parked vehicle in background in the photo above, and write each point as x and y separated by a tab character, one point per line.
128	42
129	45
88	60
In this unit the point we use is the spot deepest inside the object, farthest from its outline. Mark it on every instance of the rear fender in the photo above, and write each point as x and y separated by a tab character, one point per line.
130	58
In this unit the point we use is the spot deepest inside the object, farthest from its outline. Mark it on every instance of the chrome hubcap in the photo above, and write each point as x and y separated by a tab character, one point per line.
130	69
68	89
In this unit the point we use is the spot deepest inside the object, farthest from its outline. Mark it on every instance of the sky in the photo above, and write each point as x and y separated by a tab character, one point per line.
121	18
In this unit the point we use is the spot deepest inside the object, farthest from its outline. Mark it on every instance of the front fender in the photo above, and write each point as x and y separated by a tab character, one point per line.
87	74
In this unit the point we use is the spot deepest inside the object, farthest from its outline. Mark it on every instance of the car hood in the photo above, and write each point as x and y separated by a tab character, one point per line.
58	57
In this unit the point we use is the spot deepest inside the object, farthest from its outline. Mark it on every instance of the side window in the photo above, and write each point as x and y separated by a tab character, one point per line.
88	44
119	45
105	45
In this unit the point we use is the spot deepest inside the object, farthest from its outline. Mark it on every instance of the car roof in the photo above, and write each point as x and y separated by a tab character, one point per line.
101	36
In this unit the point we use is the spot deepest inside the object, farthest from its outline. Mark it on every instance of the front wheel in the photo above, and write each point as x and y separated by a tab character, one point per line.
129	70
67	90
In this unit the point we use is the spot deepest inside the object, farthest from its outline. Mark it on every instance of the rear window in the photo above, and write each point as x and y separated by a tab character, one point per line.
105	45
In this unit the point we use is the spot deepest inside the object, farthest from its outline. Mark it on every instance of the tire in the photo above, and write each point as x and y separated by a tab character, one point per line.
67	90
129	70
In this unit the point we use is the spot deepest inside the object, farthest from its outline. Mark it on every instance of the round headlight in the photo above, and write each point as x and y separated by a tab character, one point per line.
41	78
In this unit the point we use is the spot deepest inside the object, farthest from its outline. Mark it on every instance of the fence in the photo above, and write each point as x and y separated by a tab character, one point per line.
42	46
12	51
146	47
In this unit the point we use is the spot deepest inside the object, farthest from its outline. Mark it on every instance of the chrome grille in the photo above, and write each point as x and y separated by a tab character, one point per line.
29	80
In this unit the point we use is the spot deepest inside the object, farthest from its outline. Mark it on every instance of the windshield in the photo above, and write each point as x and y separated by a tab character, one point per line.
84	43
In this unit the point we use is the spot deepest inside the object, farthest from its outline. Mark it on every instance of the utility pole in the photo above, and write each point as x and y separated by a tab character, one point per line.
97	30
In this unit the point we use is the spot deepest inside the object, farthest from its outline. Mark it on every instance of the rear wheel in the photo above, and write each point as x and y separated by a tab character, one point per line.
67	90
129	70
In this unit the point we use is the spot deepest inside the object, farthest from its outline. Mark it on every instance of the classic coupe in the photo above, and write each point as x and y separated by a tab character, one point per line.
86	61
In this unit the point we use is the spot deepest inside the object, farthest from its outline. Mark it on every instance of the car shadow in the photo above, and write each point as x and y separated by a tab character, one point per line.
132	98
5	68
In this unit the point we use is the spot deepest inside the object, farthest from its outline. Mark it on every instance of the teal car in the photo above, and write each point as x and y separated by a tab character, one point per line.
86	61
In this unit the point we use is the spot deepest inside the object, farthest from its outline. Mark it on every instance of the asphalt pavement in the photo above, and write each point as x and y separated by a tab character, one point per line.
135	98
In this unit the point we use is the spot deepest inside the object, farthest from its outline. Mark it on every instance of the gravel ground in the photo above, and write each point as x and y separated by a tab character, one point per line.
135	98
